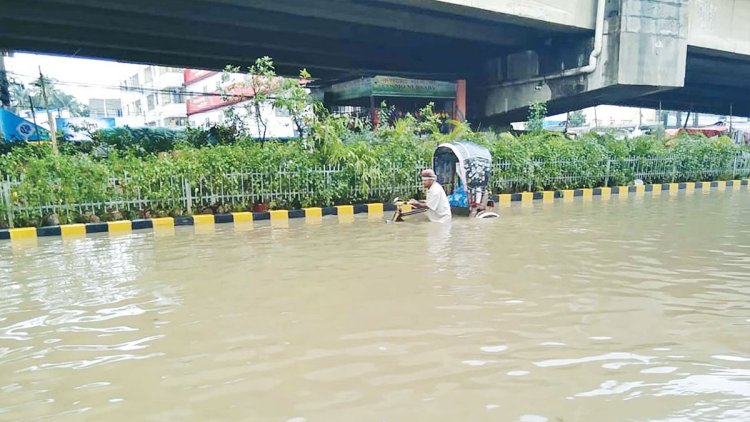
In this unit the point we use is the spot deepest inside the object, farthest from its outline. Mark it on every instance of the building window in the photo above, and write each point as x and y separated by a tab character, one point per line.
134	81
178	97
176	121
148	75
137	108
163	70
151	100
166	98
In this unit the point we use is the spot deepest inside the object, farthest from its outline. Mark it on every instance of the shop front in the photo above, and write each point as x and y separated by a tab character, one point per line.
364	97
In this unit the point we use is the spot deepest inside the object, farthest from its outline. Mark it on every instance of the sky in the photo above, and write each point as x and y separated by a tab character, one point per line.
82	78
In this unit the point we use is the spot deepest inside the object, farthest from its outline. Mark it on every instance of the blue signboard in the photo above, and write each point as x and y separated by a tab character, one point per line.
14	128
80	128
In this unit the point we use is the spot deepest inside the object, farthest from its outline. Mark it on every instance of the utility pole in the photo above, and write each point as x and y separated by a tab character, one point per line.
50	119
33	116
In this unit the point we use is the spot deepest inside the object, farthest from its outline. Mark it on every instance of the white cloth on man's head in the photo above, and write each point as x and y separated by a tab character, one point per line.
439	210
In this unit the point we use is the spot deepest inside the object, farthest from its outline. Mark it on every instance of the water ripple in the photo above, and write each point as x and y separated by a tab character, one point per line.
629	308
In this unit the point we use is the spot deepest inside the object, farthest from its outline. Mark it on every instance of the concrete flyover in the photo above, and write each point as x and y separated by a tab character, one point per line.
684	54
674	54
332	38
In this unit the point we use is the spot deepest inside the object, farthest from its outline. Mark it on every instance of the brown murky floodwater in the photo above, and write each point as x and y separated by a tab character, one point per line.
600	311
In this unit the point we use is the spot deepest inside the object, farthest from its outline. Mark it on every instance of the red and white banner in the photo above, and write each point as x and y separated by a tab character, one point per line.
209	102
195	75
237	94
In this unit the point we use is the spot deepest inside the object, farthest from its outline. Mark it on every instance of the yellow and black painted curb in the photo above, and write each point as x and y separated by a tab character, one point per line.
344	211
620	191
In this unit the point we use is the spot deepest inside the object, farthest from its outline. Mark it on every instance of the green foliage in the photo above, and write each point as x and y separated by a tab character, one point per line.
61	181
370	166
577	119
537	113
141	141
259	85
292	97
142	173
58	99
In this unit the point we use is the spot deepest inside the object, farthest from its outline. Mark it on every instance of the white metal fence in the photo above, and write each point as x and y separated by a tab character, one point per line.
130	198
534	175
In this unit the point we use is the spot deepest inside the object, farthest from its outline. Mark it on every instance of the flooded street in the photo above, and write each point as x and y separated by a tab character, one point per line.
636	309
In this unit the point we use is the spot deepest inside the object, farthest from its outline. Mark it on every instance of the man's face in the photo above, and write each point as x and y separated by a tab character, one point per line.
427	183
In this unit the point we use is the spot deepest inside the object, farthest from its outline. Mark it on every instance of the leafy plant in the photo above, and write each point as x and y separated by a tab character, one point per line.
577	119
254	91
537	113
143	173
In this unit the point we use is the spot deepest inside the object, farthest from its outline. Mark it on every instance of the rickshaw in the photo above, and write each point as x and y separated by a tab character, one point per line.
463	169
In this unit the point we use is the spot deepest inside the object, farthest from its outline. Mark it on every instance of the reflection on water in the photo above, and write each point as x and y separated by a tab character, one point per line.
618	310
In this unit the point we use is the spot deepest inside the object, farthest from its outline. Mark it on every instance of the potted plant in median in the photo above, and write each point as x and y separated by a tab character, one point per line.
261	207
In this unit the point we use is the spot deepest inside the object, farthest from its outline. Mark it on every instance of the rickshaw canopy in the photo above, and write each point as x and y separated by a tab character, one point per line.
472	162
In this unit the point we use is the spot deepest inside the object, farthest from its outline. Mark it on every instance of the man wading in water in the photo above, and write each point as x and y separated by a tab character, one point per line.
437	206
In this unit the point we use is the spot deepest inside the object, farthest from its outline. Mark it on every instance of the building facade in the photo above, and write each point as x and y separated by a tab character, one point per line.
105	107
155	96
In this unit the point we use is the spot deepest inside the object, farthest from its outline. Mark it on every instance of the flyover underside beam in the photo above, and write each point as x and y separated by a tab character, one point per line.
364	13
198	21
150	56
721	109
705	97
721	71
701	99
188	60
235	51
566	103
326	16
579	19
234	33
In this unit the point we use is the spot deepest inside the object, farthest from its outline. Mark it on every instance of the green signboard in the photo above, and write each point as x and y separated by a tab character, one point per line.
388	86
358	88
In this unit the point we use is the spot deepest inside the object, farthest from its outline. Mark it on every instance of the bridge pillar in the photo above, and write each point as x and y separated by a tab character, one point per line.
644	50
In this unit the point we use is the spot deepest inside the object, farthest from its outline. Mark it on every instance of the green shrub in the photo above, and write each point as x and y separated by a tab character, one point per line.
147	173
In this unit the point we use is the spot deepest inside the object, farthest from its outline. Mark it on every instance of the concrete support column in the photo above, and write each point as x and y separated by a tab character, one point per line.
460	107
644	51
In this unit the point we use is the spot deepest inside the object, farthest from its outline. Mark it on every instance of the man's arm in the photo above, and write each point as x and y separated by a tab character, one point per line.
418	204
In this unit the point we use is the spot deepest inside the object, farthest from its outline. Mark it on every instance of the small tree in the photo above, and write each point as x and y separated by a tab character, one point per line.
57	98
258	87
537	113
292	97
577	119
